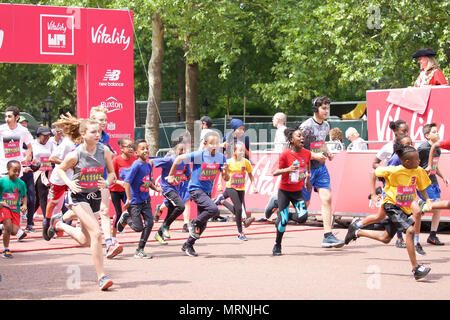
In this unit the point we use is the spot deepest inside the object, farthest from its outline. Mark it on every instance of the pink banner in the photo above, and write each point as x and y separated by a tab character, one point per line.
98	41
380	113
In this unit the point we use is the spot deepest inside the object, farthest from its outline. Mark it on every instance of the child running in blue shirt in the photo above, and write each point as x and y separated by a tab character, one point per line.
206	165
137	183
171	192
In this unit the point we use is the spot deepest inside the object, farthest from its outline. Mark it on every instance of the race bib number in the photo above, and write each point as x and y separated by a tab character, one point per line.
237	181
434	165
179	177
317	146
12	149
10	200
209	171
405	195
90	176
145	186
45	164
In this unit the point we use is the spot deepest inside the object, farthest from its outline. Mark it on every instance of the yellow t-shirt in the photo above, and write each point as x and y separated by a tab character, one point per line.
401	184
237	170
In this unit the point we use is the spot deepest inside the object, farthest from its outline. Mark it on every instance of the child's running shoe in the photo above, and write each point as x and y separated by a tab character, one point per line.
140	254
194	231
218	200
122	223
420	272
332	242
276	251
104	283
423	205
165	232
351	232
51	228
7	254
248	221
400	243
160	239
45	226
189	250
115	249
157	213
419	249
434	241
271	207
242	237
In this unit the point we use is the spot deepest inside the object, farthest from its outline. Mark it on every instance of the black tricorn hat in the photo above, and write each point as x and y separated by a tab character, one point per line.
424	53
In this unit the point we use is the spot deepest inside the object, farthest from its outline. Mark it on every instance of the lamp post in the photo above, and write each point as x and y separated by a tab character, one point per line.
48	103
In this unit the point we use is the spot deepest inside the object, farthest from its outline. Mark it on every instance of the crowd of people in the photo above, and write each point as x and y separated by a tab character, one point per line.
71	173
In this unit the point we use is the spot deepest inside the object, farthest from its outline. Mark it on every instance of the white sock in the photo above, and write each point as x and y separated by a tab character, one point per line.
356	232
19	233
359	224
416	239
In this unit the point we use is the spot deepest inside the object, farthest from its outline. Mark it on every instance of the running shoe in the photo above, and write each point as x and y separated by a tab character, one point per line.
165	232
332	242
140	254
271	207
194	231
276	250
419	249
45	225
423	205
248	221
122	223
30	229
115	249
218	200
160	239
185	228
420	272
242	237
157	213
189	250
400	243
104	283
51	228
7	254
351	232
22	236
434	241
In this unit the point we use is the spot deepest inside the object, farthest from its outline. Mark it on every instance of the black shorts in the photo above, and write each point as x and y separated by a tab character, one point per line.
93	199
397	219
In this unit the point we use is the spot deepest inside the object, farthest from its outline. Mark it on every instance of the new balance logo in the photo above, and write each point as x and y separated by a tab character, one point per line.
111	75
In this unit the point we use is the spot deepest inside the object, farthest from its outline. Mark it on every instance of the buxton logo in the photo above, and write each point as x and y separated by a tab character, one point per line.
111	104
102	36
1	38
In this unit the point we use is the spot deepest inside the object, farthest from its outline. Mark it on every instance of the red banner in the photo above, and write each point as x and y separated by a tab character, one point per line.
98	41
380	113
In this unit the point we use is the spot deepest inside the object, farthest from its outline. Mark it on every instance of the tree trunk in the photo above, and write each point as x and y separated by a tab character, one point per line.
181	71
192	112
155	85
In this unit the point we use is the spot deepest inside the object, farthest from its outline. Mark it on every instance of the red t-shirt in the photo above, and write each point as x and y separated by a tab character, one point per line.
293	181
438	78
445	144
120	163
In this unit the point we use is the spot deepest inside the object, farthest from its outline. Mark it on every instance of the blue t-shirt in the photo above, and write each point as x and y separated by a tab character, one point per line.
182	171
139	176
394	161
205	169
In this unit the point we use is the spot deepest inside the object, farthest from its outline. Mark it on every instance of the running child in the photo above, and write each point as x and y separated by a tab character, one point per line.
87	161
294	168
137	183
400	189
238	166
400	142
113	246
315	131
117	191
431	134
13	192
206	165
171	192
